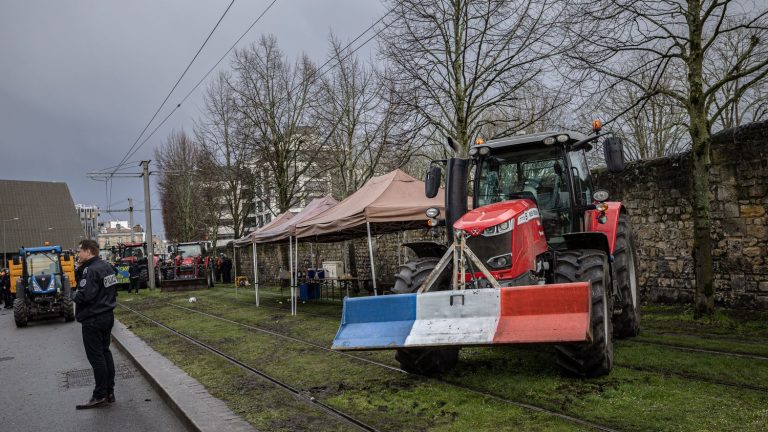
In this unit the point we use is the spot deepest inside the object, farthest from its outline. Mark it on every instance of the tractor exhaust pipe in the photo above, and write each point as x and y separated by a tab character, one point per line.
456	172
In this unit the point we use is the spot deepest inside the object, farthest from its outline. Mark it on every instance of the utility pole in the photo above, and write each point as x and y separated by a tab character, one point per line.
148	211
130	217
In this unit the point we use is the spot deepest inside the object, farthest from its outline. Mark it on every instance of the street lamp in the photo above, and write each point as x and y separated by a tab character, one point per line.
5	257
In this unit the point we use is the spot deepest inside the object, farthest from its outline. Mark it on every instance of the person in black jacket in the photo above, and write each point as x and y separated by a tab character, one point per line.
96	299
5	288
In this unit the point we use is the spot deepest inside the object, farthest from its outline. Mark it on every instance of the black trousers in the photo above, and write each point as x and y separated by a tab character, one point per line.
96	338
135	283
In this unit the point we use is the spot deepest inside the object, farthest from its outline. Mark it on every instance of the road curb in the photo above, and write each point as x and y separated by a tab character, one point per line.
187	397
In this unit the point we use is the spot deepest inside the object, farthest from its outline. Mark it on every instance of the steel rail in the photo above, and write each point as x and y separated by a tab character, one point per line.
296	392
496	397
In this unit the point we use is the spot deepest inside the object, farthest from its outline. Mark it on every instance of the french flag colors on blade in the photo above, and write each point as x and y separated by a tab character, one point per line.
524	314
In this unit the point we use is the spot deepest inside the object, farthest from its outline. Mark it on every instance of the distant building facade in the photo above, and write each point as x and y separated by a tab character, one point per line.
89	219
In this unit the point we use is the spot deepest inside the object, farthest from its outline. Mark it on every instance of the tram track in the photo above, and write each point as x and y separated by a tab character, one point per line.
496	397
351	420
499	398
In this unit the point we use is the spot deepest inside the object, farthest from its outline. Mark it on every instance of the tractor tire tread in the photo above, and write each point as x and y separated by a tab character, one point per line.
592	358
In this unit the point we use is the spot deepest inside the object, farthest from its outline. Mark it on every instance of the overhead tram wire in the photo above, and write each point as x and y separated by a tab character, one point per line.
184	99
126	157
313	78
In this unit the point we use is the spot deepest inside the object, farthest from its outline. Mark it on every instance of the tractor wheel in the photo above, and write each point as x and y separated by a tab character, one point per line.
67	306
626	324
422	361
68	309
413	273
595	357
20	313
143	277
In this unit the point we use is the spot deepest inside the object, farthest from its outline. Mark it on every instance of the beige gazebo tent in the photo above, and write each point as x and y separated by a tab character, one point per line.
250	240
391	202
287	230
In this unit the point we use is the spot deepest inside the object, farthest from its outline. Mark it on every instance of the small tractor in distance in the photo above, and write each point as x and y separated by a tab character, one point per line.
189	267
542	258
41	278
129	253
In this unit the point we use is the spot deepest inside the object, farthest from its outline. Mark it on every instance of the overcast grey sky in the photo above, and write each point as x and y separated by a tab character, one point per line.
79	79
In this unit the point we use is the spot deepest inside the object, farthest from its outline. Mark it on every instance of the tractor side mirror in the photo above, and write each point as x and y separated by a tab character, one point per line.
432	181
613	149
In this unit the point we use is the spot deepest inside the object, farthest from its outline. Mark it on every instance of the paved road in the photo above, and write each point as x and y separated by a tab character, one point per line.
44	373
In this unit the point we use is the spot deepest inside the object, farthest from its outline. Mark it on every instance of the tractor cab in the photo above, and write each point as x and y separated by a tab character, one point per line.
549	169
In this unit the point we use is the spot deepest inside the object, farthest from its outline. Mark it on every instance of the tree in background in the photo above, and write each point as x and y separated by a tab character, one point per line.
369	133
223	139
277	105
454	62
181	191
678	44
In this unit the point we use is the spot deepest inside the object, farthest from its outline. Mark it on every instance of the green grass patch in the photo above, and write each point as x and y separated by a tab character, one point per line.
650	399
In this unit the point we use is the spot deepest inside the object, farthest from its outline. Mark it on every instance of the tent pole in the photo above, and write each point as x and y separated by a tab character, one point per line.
234	264
296	269
290	265
255	275
370	253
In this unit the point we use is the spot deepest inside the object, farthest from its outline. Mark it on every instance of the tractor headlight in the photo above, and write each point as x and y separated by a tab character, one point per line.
433	212
501	228
562	138
473	151
500	261
549	140
484	151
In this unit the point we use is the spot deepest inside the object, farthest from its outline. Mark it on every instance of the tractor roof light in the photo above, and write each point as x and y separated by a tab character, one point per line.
549	140
597	126
484	151
479	141
562	138
473	151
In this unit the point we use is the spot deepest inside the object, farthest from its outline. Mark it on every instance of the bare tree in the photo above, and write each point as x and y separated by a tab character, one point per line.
228	153
369	132
276	102
454	61
181	192
677	39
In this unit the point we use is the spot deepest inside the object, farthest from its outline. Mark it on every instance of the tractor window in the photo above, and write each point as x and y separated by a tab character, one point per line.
191	250
516	174
582	180
43	264
538	173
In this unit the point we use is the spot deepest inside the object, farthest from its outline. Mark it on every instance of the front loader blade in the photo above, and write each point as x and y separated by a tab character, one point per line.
182	284
524	314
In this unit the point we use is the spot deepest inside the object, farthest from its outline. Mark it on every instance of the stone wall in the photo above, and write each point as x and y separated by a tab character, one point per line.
656	195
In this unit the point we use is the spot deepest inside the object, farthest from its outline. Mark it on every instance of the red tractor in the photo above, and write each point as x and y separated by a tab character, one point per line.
126	254
188	267
541	258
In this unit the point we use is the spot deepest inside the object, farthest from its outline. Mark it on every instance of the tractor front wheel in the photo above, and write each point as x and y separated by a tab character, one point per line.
422	361
20	313
627	323
595	357
68	309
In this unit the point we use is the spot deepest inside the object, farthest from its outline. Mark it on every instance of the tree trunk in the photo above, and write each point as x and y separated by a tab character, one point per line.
702	237
700	153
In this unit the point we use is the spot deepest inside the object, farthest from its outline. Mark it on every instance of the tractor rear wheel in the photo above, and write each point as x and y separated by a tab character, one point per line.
20	313
626	324
595	357
422	361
